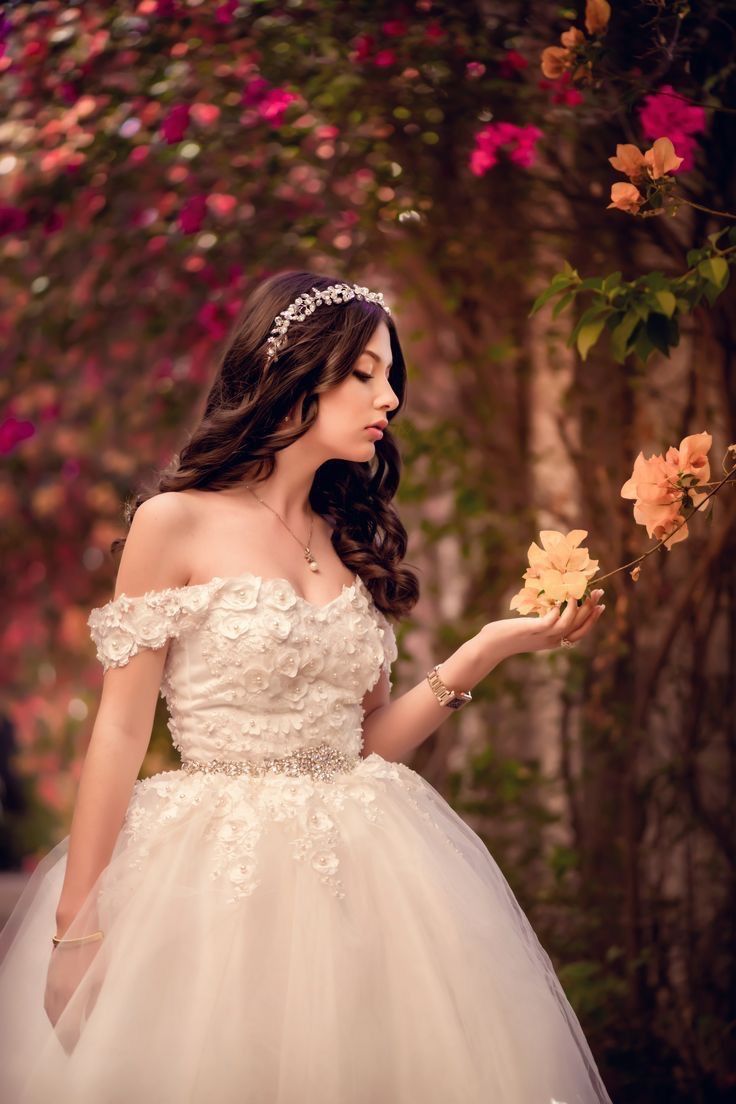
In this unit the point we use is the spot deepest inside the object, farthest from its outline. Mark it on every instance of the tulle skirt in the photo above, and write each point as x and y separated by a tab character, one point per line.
281	940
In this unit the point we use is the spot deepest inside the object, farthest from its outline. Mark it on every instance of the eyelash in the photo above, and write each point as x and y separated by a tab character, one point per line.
363	376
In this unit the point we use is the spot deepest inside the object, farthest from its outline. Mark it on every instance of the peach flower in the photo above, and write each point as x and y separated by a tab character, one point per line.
597	15
557	572
661	158
629	160
625	197
555	60
658	484
572	37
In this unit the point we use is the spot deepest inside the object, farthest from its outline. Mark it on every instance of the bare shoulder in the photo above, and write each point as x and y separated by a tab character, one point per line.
154	556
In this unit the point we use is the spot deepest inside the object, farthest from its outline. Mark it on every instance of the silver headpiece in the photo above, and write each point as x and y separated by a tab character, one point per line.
305	304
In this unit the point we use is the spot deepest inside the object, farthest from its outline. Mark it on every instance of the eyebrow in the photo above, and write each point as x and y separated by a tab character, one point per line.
376	357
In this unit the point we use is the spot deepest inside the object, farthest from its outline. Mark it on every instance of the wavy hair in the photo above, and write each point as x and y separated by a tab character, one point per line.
242	428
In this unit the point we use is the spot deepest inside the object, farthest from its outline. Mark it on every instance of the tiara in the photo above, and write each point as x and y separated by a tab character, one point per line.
306	304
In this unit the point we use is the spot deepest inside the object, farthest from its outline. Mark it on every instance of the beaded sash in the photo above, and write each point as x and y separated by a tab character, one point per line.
321	761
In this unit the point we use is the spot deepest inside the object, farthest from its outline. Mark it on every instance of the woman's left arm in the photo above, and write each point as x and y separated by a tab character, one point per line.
393	728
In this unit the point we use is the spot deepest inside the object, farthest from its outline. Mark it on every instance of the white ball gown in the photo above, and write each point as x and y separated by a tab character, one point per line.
286	921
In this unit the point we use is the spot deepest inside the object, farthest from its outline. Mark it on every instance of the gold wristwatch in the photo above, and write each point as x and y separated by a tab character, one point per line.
445	696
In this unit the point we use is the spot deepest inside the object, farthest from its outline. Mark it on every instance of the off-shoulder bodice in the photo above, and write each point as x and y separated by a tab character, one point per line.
253	668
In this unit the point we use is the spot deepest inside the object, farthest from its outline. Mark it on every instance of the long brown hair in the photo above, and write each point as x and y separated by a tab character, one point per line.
242	428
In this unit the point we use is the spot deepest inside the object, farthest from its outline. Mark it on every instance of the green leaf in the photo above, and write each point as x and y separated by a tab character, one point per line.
612	281
564	301
715	271
588	335
714	238
667	302
597	310
621	334
658	333
557	284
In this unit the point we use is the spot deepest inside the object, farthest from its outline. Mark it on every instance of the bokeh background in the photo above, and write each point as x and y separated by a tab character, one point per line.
158	158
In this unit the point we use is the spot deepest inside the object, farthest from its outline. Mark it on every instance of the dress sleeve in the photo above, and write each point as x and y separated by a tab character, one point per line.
126	624
390	647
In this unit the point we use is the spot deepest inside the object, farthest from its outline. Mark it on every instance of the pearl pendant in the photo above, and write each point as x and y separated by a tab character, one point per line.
310	560
313	565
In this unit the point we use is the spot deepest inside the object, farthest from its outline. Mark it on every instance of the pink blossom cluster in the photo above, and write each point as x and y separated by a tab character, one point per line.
495	136
665	113
561	91
270	103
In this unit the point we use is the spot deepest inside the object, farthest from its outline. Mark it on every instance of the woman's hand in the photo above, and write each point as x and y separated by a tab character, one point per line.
68	966
514	635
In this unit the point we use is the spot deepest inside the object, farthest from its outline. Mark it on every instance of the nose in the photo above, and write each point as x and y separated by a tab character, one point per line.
390	399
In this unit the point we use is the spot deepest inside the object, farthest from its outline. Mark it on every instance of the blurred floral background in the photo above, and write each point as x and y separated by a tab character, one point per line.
546	197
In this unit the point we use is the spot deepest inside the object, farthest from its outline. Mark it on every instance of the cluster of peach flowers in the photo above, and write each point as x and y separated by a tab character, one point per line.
558	571
661	486
570	57
643	169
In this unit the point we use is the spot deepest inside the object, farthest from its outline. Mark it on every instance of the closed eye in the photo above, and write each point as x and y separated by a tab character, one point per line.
362	375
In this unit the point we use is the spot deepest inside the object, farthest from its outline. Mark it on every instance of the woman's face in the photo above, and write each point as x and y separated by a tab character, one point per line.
362	398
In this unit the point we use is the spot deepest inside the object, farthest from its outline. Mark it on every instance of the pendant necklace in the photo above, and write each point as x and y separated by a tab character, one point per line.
313	566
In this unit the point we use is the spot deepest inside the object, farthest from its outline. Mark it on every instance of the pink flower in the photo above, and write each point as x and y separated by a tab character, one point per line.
221	203
274	104
254	91
192	214
363	47
512	63
12	432
205	114
175	123
475	69
664	112
394	27
384	58
226	12
491	138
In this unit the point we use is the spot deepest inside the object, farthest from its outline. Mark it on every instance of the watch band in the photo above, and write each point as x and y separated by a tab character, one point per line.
445	696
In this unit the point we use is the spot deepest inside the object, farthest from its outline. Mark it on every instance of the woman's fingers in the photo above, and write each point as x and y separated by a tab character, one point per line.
577	620
580	630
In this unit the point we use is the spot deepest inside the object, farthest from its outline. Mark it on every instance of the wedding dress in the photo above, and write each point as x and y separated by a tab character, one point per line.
286	922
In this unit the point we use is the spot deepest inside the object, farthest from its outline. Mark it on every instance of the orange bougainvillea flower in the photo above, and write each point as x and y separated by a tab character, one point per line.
557	572
661	158
625	197
658	485
555	60
597	15
630	161
572	37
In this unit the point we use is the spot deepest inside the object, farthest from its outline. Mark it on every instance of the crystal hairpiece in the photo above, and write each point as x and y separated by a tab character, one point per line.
305	304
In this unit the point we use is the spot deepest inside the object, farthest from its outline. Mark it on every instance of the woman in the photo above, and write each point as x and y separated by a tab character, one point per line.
294	914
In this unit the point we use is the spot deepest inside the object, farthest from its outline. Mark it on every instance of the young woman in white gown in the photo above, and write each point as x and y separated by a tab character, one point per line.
293	916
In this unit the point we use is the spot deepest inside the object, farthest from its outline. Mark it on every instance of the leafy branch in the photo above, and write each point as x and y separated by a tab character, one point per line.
641	316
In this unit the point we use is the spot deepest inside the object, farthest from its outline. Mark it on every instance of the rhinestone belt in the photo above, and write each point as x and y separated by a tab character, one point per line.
321	761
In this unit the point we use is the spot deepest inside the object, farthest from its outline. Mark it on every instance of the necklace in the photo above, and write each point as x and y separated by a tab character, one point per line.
313	566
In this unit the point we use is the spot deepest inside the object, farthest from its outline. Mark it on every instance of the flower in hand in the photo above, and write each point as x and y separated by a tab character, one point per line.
557	572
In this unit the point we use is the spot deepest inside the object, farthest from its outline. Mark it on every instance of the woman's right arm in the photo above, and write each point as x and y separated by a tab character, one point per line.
152	560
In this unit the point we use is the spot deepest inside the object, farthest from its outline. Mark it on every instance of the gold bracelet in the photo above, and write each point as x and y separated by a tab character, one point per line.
58	941
445	696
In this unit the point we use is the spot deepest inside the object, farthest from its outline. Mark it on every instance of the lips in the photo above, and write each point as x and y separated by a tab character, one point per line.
377	425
